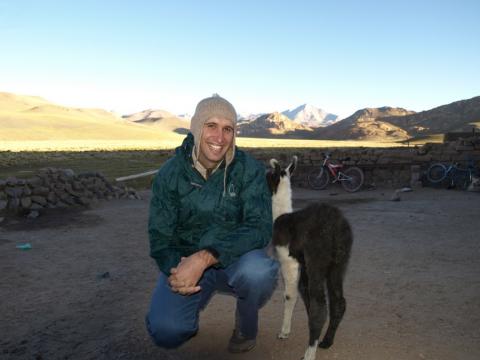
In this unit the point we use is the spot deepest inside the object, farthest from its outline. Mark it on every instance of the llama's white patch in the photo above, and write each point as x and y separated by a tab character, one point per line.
282	199
311	352
290	273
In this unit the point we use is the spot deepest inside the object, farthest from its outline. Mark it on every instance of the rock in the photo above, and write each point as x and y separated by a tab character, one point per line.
69	173
26	202
77	185
69	189
59	186
83	201
52	198
39	200
69	200
13	192
104	275
27	191
61	204
35	181
36	206
395	196
40	190
60	194
13	204
63	179
33	214
12	181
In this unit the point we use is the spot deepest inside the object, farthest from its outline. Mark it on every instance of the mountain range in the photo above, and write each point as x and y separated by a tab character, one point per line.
272	125
376	124
34	118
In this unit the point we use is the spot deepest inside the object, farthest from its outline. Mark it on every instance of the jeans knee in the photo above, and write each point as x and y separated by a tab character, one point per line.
260	277
168	334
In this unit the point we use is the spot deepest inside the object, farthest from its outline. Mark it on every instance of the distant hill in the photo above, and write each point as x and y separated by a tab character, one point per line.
160	119
388	123
310	116
272	125
366	124
28	118
455	117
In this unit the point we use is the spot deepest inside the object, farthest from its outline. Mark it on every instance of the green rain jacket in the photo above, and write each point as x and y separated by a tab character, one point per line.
189	213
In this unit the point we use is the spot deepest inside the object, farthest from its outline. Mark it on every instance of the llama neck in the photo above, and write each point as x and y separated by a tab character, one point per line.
282	199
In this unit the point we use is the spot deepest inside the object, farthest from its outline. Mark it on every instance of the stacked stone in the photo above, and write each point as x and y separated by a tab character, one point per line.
58	188
396	167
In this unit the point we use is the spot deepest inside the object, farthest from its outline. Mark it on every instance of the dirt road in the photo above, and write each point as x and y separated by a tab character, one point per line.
412	289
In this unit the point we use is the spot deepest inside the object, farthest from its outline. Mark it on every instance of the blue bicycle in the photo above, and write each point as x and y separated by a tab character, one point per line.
457	177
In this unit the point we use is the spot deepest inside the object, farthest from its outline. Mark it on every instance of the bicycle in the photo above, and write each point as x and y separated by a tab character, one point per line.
457	176
351	178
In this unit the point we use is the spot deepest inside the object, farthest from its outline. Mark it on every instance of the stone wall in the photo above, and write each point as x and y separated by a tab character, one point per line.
391	167
57	188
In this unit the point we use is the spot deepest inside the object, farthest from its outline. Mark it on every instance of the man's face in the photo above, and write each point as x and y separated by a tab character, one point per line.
217	138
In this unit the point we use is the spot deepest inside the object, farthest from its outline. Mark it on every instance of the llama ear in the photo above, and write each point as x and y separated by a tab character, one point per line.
274	164
293	165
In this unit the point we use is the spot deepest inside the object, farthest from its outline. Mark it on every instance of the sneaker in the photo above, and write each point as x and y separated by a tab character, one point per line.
239	344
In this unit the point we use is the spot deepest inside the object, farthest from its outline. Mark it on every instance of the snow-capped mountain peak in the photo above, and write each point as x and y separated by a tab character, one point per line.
311	116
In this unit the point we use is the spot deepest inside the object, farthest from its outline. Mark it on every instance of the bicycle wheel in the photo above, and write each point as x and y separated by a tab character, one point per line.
355	179
318	179
436	173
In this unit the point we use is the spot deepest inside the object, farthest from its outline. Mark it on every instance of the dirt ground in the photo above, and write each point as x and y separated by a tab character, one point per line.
412	289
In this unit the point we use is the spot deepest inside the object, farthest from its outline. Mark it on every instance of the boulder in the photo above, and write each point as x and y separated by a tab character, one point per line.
26	202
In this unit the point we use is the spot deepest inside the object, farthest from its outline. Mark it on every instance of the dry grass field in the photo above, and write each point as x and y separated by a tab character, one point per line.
173	141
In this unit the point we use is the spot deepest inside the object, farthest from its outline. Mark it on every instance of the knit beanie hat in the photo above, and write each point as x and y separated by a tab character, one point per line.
208	108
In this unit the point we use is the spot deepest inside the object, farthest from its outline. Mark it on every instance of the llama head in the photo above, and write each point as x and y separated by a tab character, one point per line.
276	174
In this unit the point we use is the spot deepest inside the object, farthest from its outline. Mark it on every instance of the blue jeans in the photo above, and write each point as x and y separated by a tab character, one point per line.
173	318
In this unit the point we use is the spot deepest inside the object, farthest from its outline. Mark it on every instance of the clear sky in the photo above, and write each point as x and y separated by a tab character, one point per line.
263	56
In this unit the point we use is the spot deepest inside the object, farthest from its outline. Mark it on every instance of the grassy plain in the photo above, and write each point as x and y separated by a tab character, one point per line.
174	141
120	158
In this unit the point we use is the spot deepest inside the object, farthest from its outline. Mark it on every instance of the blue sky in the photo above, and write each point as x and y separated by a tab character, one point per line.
263	56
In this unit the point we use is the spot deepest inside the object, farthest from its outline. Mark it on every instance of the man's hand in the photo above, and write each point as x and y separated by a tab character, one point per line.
185	277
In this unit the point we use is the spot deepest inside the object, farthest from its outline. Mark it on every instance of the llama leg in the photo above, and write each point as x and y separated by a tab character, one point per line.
289	268
317	310
337	303
303	287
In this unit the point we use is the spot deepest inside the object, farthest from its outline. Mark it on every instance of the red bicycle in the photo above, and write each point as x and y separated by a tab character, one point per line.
351	177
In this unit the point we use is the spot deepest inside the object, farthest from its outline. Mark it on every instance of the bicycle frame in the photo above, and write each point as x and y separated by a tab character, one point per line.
335	170
350	177
453	173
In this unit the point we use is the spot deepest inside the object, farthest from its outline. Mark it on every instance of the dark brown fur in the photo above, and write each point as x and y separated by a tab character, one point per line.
320	239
